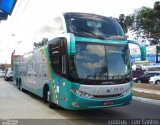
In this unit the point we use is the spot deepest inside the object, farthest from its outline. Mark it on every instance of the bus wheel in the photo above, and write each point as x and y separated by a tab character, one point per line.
20	86
18	83
45	91
46	97
51	104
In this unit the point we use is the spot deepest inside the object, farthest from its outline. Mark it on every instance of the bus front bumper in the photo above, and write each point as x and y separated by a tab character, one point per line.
77	102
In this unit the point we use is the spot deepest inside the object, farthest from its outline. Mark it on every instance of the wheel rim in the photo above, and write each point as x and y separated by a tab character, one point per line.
139	81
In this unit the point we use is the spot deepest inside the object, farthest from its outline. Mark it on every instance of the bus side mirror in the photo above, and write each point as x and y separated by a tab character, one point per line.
142	48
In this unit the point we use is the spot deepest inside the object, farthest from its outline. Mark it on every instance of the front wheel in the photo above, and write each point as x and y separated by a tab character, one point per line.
5	78
47	98
19	83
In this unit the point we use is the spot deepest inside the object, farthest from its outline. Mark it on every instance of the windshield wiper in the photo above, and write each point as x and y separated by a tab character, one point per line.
91	33
120	76
126	76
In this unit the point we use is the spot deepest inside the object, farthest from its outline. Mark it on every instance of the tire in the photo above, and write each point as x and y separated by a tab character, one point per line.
138	81
46	97
52	105
6	79
157	82
18	83
20	87
45	90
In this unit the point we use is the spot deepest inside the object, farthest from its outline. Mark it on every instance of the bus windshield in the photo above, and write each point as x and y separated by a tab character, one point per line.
100	62
98	28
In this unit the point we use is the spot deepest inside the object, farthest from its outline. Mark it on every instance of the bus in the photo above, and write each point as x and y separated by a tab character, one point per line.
85	65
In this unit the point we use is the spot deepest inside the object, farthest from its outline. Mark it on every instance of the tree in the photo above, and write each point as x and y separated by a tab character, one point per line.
121	20
125	21
41	43
148	19
2	67
128	22
157	8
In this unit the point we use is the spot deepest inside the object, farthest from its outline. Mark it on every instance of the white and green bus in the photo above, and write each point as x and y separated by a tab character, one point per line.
87	65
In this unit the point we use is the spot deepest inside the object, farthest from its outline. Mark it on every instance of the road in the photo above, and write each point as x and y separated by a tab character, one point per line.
15	104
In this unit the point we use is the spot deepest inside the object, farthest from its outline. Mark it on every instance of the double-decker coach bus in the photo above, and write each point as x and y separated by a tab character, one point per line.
87	65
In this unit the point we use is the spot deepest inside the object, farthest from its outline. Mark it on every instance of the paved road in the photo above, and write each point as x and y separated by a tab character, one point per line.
15	104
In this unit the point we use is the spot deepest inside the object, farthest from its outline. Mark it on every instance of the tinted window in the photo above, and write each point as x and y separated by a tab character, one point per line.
148	75
58	55
54	50
95	62
93	26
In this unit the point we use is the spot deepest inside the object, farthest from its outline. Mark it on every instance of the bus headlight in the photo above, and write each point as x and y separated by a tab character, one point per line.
82	94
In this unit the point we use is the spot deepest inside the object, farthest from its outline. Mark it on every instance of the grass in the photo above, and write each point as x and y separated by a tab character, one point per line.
146	86
146	95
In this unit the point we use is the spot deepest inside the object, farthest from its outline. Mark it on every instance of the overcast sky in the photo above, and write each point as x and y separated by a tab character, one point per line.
28	15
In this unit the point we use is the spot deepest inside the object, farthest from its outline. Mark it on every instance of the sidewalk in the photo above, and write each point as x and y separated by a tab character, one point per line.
147	100
149	91
147	95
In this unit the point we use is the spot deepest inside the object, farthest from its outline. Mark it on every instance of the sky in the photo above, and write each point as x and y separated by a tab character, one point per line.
18	32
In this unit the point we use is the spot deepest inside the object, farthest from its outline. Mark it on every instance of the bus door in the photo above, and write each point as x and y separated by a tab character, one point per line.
58	57
63	73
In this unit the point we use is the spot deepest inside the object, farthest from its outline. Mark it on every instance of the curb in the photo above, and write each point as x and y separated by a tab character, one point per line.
156	92
146	100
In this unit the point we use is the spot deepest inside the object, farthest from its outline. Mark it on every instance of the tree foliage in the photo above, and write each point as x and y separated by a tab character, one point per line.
2	67
125	21
41	43
145	19
148	19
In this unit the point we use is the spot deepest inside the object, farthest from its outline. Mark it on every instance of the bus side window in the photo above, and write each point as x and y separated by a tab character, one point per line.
58	56
54	51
